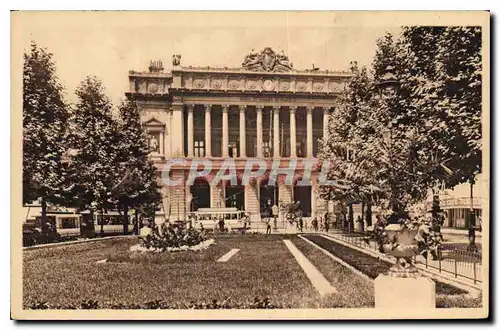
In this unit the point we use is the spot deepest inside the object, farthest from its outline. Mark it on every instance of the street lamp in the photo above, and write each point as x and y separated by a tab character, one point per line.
402	286
388	81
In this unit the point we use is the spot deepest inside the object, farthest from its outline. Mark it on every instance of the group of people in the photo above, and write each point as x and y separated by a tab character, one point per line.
273	214
320	225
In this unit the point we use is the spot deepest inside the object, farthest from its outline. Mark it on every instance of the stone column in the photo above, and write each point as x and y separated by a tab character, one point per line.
326	118
309	132
208	133
162	143
293	133
190	131
225	131
276	131
177	130
243	137
259	131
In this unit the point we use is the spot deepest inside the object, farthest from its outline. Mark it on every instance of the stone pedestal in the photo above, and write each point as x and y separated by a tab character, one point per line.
404	293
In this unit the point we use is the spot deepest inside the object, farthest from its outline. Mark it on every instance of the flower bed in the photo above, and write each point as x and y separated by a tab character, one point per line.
172	238
369	265
198	247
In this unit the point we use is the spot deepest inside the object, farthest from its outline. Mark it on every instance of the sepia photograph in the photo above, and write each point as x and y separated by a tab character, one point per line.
250	165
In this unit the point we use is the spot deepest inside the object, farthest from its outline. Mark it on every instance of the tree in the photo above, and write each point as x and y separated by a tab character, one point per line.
459	88
385	55
340	149
95	138
45	118
140	188
443	78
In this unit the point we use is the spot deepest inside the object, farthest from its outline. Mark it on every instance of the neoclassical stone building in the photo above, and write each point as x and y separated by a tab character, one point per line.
264	109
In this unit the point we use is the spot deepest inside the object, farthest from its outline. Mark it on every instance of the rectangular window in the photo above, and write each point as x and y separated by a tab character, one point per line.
233	149
266	149
199	148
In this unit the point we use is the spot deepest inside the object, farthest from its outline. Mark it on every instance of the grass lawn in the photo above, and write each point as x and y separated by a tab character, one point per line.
262	268
66	276
353	291
446	295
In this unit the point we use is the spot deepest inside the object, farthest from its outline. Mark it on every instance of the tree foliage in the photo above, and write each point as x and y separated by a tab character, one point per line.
138	187
45	118
94	136
420	128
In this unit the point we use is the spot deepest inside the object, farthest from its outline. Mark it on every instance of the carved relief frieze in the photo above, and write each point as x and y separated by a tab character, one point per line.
285	85
216	83
199	83
234	84
335	86
251	84
318	87
301	86
268	85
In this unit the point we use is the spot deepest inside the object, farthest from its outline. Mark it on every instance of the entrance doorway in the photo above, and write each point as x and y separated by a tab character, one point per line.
303	195
235	197
268	196
200	190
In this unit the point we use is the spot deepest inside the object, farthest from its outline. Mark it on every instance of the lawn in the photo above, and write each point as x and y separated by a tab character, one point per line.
353	291
263	268
262	273
446	294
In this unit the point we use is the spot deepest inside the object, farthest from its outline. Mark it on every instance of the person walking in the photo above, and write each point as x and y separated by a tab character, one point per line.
315	224
221	225
275	211
268	226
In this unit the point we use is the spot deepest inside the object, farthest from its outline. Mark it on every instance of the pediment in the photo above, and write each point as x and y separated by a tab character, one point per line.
153	121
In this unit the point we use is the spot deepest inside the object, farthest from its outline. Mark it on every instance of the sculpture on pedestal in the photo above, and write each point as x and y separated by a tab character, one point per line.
153	145
176	59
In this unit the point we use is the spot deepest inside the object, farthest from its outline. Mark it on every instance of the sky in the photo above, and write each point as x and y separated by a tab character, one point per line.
108	45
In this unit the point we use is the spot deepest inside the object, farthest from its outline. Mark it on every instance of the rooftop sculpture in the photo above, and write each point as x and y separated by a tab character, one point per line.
267	60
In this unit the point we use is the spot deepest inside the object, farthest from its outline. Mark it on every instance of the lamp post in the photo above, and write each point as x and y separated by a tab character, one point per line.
402	286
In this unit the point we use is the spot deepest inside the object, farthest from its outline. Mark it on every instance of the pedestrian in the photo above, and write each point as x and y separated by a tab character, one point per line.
268	227
327	225
275	211
221	225
315	224
301	224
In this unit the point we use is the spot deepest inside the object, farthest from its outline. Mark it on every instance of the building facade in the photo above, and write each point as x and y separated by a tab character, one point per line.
457	203
264	109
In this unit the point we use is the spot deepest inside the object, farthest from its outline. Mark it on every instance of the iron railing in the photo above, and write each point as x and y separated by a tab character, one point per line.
457	261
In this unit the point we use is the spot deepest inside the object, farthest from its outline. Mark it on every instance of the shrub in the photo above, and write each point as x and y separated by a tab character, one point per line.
257	303
167	236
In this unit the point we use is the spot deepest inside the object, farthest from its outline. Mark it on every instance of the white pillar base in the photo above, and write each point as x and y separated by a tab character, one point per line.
404	293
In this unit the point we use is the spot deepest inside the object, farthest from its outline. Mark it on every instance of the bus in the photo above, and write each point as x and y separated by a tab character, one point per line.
208	218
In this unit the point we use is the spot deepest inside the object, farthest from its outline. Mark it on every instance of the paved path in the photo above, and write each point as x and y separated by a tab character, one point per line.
317	279
228	255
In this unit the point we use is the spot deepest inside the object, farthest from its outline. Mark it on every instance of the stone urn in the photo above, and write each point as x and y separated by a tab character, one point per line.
403	246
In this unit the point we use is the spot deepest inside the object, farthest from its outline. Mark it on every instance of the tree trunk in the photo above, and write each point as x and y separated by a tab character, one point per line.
351	218
43	220
125	219
363	212
136	225
472	221
369	214
102	222
435	205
